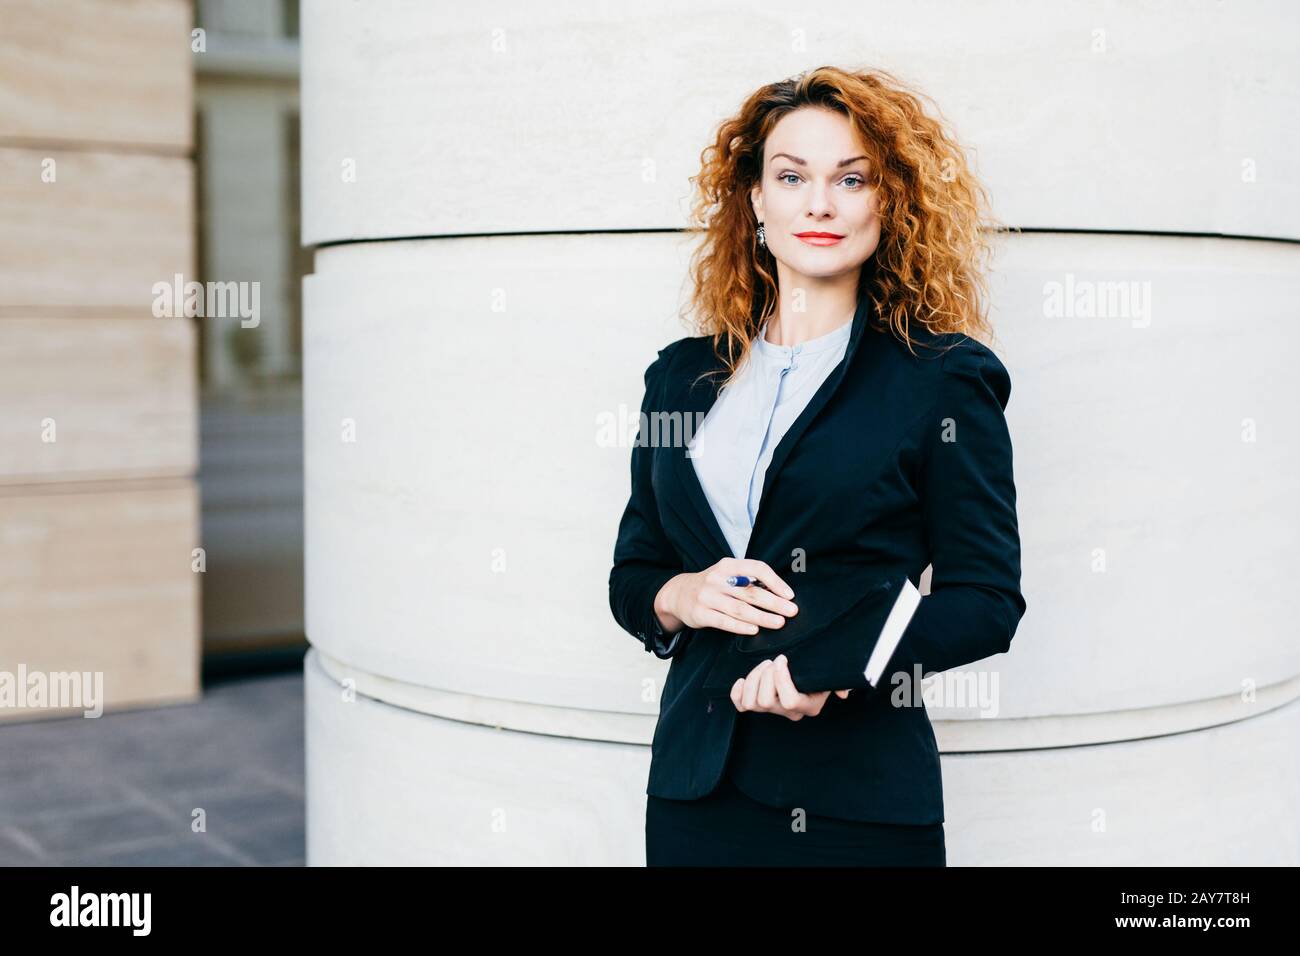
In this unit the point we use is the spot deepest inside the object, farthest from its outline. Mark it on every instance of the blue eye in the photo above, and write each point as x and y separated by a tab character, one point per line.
785	177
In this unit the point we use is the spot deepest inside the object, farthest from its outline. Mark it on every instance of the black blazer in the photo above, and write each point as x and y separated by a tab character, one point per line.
898	461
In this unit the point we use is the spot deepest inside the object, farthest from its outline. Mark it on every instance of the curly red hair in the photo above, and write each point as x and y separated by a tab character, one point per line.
930	264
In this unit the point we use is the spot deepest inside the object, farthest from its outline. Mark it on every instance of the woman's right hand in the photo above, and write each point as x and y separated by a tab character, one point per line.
704	599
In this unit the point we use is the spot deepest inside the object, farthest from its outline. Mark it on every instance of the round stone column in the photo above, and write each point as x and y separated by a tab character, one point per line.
497	204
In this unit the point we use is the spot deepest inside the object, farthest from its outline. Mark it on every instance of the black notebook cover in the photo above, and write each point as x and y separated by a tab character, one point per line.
828	643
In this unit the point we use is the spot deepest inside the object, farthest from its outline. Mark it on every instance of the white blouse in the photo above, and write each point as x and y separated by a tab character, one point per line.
733	447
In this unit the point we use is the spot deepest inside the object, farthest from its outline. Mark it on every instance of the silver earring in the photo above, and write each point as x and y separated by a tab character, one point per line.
762	236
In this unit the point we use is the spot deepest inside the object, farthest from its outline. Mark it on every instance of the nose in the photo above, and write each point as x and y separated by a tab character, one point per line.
819	202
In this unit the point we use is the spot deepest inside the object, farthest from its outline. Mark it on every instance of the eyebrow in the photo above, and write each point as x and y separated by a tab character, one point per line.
804	162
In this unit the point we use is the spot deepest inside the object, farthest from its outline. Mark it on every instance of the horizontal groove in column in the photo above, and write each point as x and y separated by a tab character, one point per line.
954	736
1025	230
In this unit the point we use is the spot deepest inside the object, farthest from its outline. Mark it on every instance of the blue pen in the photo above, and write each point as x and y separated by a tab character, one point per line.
739	580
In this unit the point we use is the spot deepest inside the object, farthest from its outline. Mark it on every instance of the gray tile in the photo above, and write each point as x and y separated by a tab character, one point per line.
17	849
101	827
291	780
201	772
192	850
233	808
266	841
54	791
122	787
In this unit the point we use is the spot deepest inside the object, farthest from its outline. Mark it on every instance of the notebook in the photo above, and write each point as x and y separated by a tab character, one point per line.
900	615
840	650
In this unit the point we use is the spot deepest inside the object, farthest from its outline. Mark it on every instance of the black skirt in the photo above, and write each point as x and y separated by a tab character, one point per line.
729	828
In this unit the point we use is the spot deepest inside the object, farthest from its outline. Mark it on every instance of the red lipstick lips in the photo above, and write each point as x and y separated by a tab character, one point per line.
819	238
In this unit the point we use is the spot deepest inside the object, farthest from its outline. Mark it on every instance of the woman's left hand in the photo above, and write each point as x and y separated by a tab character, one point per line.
769	689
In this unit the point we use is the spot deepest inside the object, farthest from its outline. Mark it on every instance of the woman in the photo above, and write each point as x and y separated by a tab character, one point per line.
851	432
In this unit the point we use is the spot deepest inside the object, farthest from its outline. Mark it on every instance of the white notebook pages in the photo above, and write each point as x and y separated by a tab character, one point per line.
905	605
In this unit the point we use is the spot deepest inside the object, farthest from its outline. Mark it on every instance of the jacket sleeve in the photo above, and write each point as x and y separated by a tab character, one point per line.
968	500
644	559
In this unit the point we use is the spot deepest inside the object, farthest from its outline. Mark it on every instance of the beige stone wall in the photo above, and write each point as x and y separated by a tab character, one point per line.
98	411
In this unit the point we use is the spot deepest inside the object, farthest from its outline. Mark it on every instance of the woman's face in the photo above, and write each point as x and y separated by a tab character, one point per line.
815	180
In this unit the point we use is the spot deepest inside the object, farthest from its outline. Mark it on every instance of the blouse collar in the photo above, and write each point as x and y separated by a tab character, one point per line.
835	337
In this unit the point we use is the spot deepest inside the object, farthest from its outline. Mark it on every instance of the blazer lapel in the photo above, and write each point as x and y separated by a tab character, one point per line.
865	312
696	397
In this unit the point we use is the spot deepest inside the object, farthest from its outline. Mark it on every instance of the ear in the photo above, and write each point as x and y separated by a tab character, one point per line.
756	200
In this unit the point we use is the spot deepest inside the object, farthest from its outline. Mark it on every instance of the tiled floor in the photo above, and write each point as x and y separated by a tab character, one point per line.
124	788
